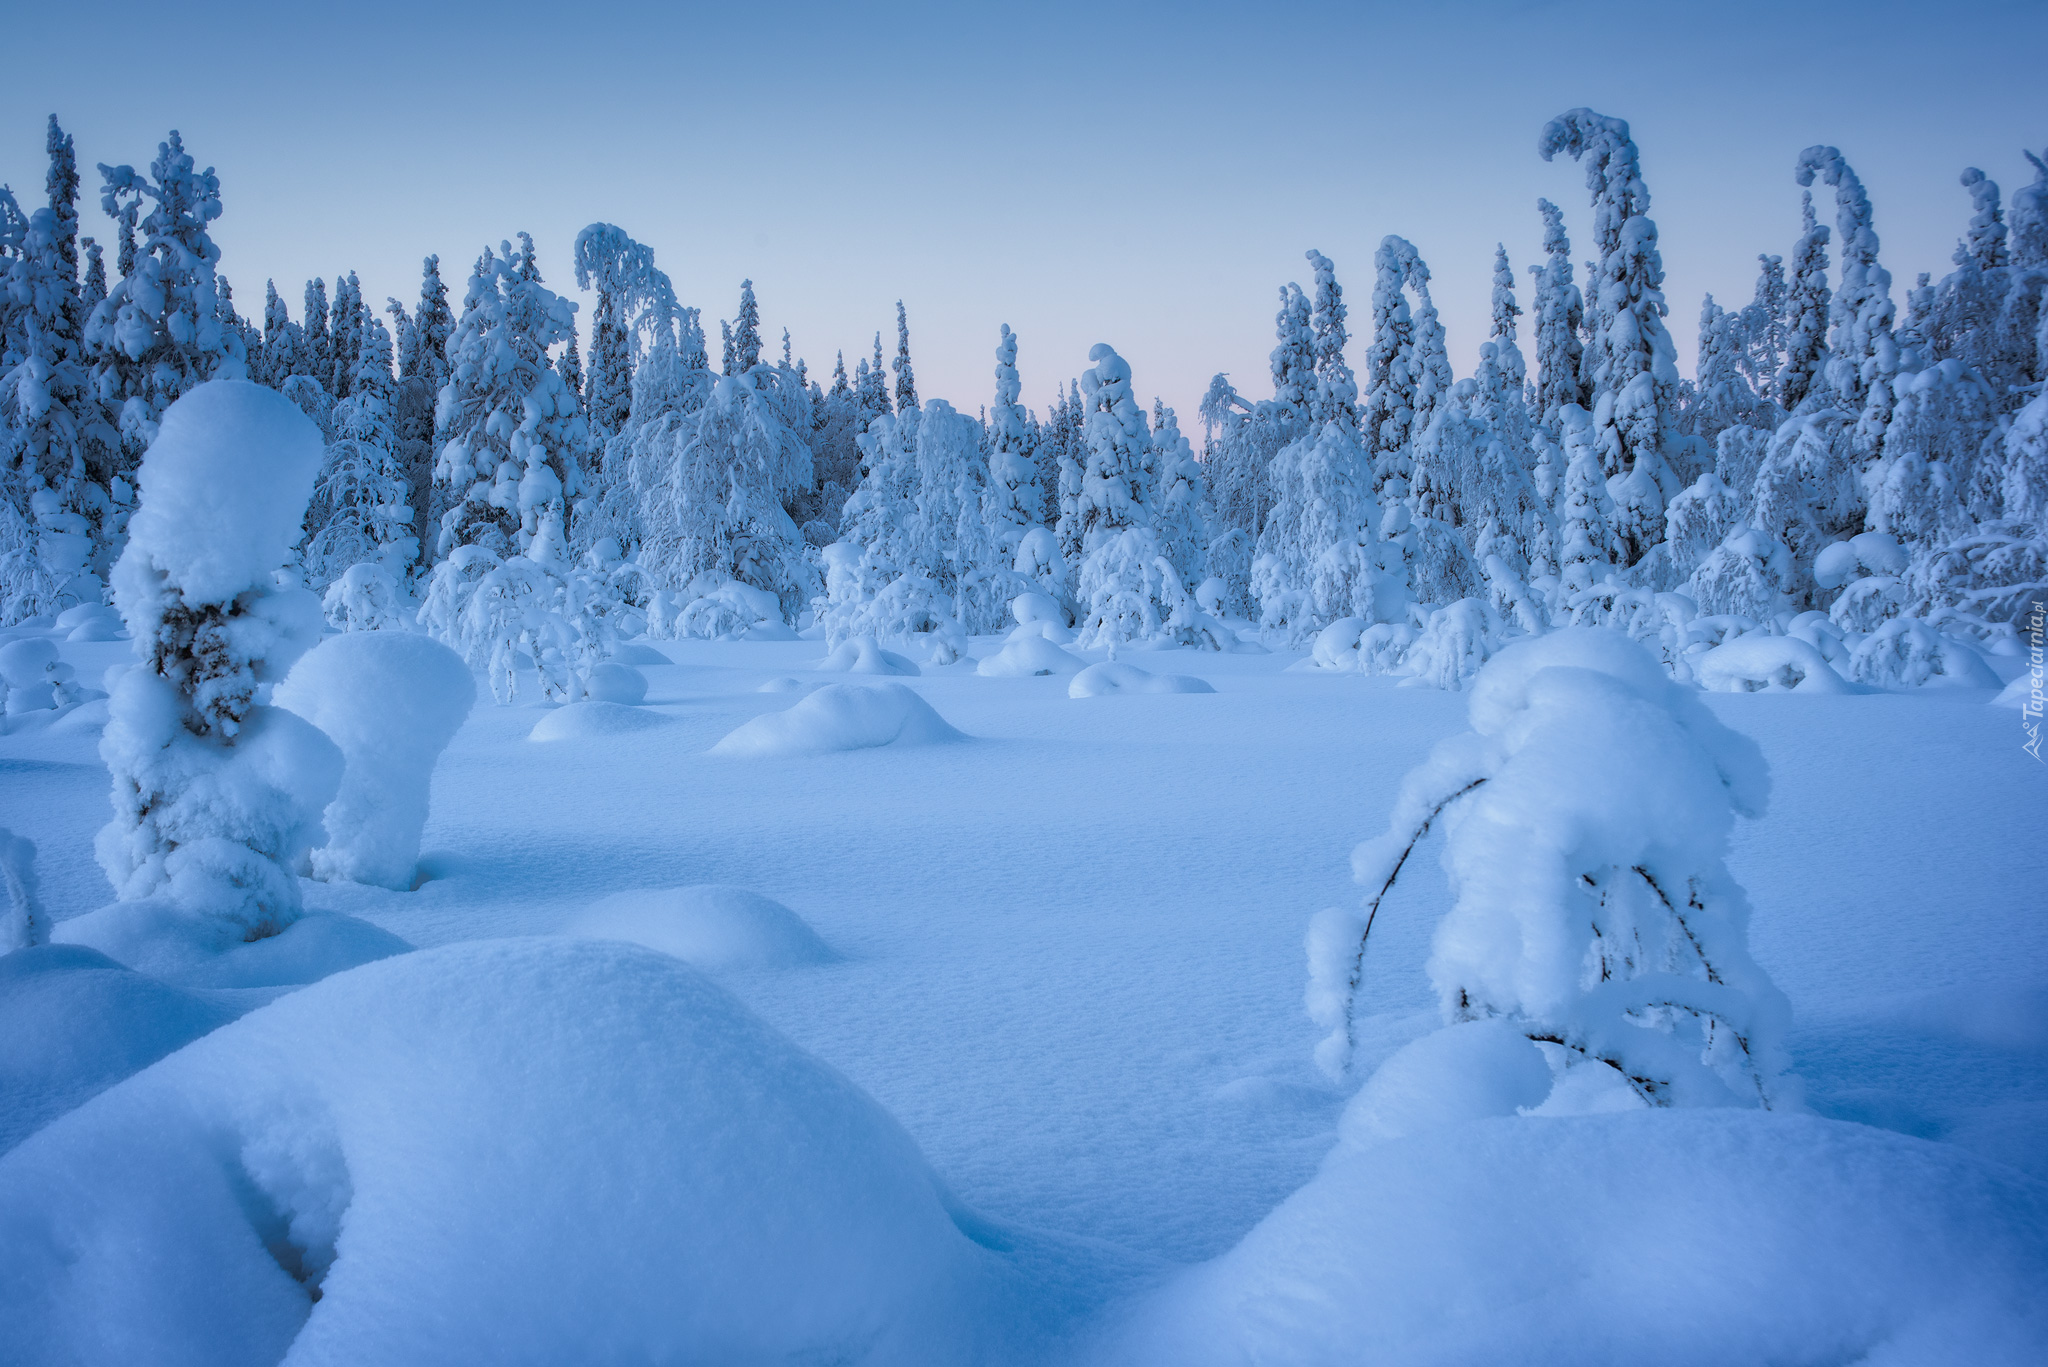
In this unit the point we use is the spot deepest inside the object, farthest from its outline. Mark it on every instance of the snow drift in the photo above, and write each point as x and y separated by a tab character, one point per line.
516	1151
1102	680
841	717
710	926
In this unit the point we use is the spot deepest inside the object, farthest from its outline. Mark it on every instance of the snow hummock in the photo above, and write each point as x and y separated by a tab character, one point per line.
710	926
1680	1237
594	720
864	655
1468	1072
505	1151
190	951
639	655
610	681
391	700
841	717
1025	655
1101	680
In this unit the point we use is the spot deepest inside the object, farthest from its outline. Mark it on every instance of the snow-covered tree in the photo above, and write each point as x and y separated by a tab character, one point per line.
318	354
216	796
906	381
1181	522
1593	914
1408	370
1806	313
283	341
158	332
436	324
1861	314
345	325
1760	327
509	430
1014	498
743	349
1560	315
360	511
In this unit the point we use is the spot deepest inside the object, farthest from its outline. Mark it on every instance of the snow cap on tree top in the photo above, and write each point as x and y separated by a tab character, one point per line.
223	489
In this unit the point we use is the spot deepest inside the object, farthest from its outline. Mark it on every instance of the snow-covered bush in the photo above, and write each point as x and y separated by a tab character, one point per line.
1587	815
1756	663
1903	653
507	616
364	598
391	700
217	796
34	679
726	612
1455	640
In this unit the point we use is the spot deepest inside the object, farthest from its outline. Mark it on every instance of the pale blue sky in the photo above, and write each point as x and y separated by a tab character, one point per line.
1144	175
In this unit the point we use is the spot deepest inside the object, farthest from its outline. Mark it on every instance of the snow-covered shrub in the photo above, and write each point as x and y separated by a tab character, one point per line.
1230	564
33	679
1904	653
1027	654
865	596
364	598
726	612
507	616
1455	640
391	700
1757	663
1128	591
1587	815
1748	574
217	797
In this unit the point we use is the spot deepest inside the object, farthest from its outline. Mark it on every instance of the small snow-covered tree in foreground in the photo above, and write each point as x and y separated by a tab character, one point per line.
216	796
1586	816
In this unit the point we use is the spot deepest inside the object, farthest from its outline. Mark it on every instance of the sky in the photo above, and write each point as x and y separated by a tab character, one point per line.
1145	175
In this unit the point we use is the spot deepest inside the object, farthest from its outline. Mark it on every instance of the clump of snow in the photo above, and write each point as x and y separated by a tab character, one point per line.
90	622
783	684
1757	663
864	655
1467	1072
594	720
841	717
1110	677
33	679
638	655
523	1150
216	796
76	1023
1025	656
1693	1237
1588	813
710	926
392	701
1038	607
615	682
188	951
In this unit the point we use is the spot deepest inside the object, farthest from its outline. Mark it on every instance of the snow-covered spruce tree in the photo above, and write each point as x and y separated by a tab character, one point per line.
611	375
319	342
509	430
1806	314
1181	521
871	386
953	545
436	324
1560	315
1959	320
345	324
216	796
569	365
1588	813
405	339
672	381
715	507
1408	370
1760	329
743	349
1335	395
283	341
1863	355
2023	317
1126	589
1293	358
57	449
1014	500
1634	365
1585	513
1720	397
360	510
836	423
906	381
158	332
1064	457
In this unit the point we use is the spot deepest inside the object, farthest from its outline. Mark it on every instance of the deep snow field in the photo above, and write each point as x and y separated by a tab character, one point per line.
1066	954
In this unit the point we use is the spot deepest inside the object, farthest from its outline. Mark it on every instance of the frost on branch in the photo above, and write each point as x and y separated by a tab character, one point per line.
1586	819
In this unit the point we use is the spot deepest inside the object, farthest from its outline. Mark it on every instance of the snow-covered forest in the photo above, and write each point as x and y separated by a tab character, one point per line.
629	848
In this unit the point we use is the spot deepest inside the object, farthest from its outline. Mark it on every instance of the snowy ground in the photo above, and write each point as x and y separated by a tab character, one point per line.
1070	949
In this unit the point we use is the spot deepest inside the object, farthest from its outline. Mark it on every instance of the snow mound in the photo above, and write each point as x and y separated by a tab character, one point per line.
638	655
864	655
1676	1237
614	682
90	622
2023	692
1102	680
1467	1072
710	926
1032	606
514	1151
783	684
841	717
76	1023
1027	656
1907	654
593	720
1767	664
391	700
156	937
